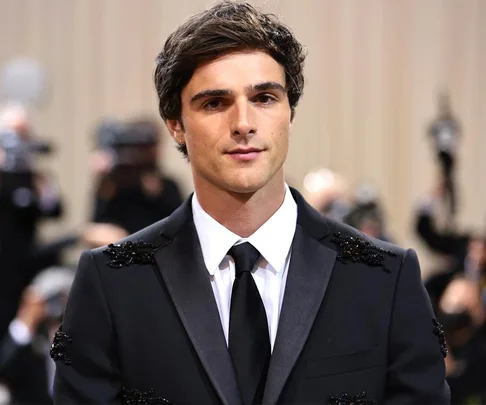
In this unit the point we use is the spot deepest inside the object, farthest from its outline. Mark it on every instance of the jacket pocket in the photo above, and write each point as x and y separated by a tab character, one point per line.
344	363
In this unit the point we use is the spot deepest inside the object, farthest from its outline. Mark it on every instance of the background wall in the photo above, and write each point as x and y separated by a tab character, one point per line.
373	70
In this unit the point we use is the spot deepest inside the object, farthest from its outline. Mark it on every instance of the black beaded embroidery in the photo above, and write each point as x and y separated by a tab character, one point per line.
354	249
59	346
346	399
129	253
439	332
136	397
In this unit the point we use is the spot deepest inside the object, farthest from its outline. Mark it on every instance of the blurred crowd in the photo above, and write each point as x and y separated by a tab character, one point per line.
131	191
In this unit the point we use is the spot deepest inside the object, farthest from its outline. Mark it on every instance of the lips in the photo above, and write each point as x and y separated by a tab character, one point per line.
244	150
244	154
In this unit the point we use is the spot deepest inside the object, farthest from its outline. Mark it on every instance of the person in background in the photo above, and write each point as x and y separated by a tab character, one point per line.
440	239
327	192
331	195
463	314
463	252
131	192
367	213
26	368
445	132
27	197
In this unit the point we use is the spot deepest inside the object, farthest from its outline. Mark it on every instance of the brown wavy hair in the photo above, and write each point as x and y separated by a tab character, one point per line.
226	27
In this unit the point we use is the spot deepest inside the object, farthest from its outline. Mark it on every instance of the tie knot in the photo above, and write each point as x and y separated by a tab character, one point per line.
245	257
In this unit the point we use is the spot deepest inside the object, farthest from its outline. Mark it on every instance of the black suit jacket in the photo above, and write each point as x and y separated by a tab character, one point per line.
354	319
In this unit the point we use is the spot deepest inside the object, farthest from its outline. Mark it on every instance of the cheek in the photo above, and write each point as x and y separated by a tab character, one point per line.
203	134
282	136
201	148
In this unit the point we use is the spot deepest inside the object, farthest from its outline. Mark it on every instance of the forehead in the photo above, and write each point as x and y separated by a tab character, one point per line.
235	71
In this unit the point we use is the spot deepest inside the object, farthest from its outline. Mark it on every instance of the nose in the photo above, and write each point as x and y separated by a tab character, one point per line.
243	121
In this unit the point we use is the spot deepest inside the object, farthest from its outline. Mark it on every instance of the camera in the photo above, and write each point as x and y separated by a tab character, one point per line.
367	214
115	134
130	148
17	167
19	152
126	143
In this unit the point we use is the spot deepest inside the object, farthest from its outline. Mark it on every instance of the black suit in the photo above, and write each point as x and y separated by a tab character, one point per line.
343	329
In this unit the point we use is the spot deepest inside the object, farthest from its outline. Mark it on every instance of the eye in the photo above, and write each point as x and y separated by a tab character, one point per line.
265	99
213	104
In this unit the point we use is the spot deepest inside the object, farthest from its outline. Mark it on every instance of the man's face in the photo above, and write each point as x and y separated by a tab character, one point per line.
236	119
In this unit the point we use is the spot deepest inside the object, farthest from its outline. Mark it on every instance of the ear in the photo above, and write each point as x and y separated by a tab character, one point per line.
175	130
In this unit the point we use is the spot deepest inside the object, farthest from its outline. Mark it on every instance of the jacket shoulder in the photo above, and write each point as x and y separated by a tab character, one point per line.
149	236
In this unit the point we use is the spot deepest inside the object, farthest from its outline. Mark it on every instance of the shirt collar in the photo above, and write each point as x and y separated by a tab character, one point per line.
273	239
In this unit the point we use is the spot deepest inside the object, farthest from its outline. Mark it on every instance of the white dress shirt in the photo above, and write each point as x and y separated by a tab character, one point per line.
273	240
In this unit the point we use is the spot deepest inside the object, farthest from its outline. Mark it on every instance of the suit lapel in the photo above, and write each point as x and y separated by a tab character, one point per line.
308	276
181	265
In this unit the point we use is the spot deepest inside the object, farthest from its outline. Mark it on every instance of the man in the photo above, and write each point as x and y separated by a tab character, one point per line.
132	191
25	365
21	368
442	240
27	196
445	132
327	315
464	315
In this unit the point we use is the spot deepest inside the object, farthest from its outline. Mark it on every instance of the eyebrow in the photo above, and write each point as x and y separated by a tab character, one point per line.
269	85
266	86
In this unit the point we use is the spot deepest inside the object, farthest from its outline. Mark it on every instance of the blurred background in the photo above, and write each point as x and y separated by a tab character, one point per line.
389	137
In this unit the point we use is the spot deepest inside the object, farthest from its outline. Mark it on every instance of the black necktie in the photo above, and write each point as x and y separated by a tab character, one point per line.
249	344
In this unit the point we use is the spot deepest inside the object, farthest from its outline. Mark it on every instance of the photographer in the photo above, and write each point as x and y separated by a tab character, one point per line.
131	190
452	244
462	312
25	365
327	192
472	268
367	214
26	197
445	132
330	194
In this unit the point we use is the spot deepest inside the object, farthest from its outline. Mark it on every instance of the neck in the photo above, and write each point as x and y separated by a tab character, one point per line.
241	213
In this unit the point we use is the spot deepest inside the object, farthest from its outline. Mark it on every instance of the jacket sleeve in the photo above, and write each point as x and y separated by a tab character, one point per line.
416	367
84	347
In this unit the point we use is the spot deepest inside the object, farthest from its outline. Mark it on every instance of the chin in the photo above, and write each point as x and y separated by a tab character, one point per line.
245	187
